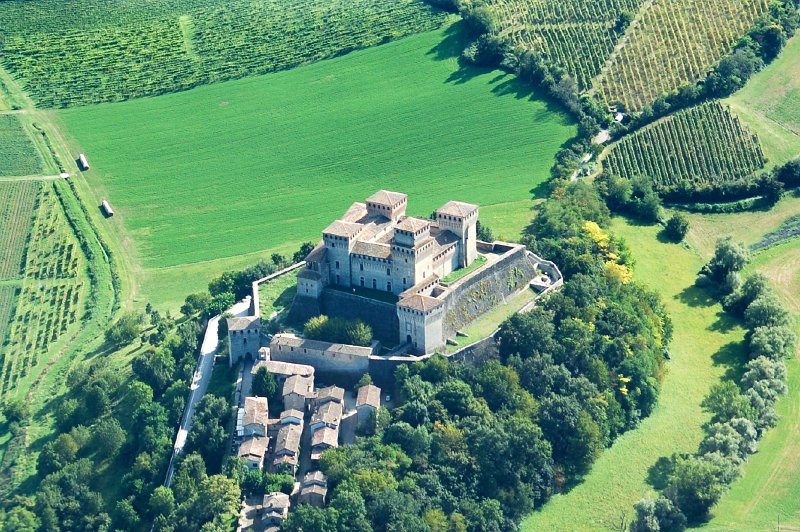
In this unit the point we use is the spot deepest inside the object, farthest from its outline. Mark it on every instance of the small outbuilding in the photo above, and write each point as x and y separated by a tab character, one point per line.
83	162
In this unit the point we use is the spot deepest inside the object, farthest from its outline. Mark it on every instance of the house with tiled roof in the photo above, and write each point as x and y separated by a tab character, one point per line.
368	401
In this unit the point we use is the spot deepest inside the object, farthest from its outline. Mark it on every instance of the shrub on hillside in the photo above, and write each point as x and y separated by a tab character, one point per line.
677	227
126	330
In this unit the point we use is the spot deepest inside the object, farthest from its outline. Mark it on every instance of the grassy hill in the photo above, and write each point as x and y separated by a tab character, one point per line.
770	105
237	170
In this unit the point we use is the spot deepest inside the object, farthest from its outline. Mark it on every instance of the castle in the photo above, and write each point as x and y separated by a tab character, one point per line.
376	254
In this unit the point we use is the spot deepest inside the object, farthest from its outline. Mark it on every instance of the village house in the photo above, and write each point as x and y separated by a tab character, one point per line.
314	489
291	417
281	370
253	450
256	417
275	508
328	415
328	394
287	447
296	391
368	401
322	440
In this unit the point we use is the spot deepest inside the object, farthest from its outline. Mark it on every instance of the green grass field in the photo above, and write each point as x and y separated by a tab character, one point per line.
770	105
705	341
236	170
277	295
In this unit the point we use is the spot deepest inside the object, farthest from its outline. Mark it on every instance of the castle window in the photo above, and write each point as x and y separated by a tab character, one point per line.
362	282
388	286
361	267
404	282
388	271
337	264
374	283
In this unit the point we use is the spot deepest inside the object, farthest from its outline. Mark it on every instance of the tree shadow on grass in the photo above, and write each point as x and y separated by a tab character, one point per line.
695	296
658	473
725	323
733	356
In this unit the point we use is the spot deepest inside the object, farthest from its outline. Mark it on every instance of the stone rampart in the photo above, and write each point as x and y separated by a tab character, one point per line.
486	289
379	315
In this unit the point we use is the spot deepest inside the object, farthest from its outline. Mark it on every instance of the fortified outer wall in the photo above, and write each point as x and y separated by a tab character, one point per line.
379	315
323	361
486	289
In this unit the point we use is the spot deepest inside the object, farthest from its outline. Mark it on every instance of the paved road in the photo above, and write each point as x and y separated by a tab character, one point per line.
202	376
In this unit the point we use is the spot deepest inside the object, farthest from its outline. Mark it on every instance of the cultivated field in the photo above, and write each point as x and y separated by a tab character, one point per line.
50	295
770	105
17	208
234	170
675	41
704	147
577	35
81	52
18	155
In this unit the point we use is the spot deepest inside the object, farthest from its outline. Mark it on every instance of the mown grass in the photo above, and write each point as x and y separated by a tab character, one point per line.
705	342
770	105
276	296
768	493
247	167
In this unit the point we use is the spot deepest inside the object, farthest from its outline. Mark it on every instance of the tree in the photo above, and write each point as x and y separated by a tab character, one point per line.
364	380
772	342
125	515
725	402
126	330
15	409
770	188
753	287
302	253
195	303
729	258
677	227
623	21
351	511
657	515
219	304
766	310
107	438
484	232
264	384
20	519
162	502
694	486
155	368
306	517
56	455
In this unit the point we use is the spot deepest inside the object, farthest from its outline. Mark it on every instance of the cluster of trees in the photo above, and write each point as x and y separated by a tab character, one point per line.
740	413
759	47
478	447
339	330
114	426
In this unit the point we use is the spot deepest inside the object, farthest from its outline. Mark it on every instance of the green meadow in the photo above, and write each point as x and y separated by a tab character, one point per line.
770	105
705	343
222	175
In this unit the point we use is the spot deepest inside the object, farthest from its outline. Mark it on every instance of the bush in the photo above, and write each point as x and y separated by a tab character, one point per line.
126	330
339	330
657	515
195	303
677	227
694	486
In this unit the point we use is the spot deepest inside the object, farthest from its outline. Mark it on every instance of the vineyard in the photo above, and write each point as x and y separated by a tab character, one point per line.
705	145
8	301
18	155
578	36
17	206
50	294
675	41
190	44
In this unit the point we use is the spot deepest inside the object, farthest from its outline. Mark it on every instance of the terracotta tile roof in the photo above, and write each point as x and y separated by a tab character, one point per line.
386	197
292	413
283	368
255	411
325	436
240	324
355	213
299	385
288	439
317	254
288	340
457	208
255	447
331	393
372	249
315	477
275	502
369	395
409	223
420	302
346	229
329	414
